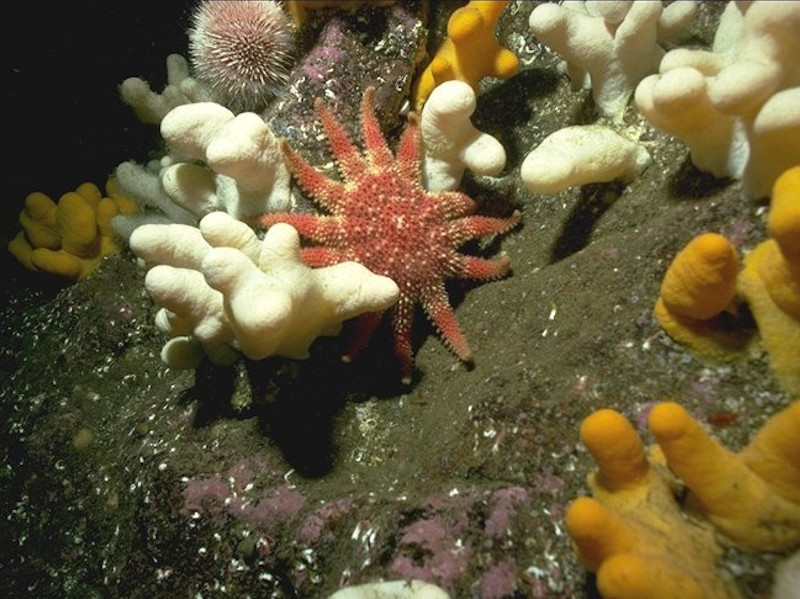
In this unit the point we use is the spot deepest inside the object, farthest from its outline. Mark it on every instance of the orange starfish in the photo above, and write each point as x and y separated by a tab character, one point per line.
382	217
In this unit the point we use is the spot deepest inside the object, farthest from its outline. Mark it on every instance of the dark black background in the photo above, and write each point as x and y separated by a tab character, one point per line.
62	62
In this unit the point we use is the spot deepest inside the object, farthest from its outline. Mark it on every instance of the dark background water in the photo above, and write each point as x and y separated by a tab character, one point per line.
62	62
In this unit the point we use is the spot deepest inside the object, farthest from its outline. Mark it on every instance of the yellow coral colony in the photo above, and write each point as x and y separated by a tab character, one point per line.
470	51
68	239
632	532
770	281
752	498
698	287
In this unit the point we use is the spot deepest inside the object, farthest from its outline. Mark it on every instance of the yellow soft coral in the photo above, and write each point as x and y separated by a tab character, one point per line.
752	498
633	532
770	281
469	52
299	10
68	239
698	287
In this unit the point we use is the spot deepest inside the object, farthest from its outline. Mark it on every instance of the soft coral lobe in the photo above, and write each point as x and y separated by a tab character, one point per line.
381	216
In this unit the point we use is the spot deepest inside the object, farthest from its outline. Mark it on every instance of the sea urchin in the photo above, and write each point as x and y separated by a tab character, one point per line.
242	50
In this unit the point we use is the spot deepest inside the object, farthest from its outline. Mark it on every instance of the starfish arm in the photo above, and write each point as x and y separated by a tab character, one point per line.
319	229
318	256
481	269
402	321
364	329
453	204
472	227
437	306
375	144
380	215
328	193
407	156
351	162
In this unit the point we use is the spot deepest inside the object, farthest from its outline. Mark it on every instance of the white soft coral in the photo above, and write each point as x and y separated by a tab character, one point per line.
223	291
736	106
609	46
451	143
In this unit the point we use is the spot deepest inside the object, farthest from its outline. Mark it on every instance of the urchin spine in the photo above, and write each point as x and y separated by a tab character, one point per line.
242	50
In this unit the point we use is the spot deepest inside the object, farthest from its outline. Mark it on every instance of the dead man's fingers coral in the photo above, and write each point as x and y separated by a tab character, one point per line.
770	282
192	315
724	489
701	281
597	532
579	155
259	311
69	238
774	141
144	185
189	130
699	286
674	20
763	61
615	43
742	92
769	286
617	449
469	53
632	532
633	576
451	143
281	307
190	311
223	290
780	267
248	168
38	221
192	187
150	106
774	453
676	102
178	245
611	546
783	220
392	589
220	230
246	151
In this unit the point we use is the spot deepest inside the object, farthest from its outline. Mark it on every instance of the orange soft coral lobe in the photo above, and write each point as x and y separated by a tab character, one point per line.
632	532
701	281
597	532
469	53
784	214
770	282
699	285
616	448
753	510
637	537
69	238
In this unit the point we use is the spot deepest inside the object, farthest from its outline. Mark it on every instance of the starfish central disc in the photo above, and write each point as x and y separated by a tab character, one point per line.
381	216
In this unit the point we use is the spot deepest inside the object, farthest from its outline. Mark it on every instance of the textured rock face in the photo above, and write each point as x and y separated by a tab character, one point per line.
343	54
286	479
